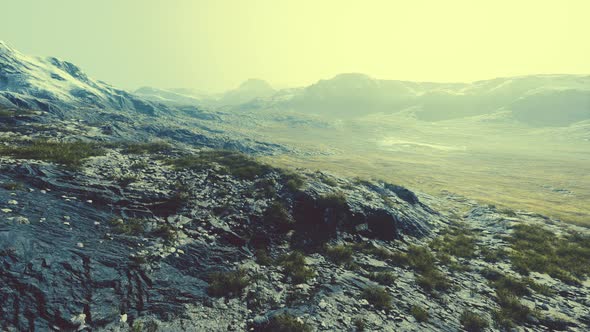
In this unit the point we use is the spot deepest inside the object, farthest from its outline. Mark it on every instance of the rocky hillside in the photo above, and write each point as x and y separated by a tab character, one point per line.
113	235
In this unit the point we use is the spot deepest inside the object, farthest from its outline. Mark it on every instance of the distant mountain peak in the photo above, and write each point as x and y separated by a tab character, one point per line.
255	84
52	84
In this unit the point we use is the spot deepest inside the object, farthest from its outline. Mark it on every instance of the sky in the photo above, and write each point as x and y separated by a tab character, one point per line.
214	45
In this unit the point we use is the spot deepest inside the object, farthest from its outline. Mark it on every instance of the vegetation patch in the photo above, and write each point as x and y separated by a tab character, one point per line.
537	249
166	232
276	215
473	322
508	293
493	255
420	314
142	148
359	324
457	241
12	186
377	296
231	162
293	181
429	277
339	254
70	154
7	113
385	278
228	283
511	311
132	226
285	323
327	180
263	258
295	267
336	200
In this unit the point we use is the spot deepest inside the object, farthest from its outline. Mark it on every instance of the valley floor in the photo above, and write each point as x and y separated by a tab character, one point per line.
120	236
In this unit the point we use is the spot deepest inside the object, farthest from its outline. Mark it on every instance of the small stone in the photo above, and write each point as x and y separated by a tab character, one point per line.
66	223
96	223
123	318
6	210
22	220
12	202
66	217
80	245
89	201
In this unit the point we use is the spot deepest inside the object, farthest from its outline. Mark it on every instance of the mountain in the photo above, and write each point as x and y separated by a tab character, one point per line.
54	85
539	100
167	96
247	91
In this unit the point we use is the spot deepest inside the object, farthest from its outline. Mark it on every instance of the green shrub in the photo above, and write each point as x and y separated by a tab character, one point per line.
70	154
359	324
294	267
396	258
472	322
131	226
335	200
456	241
420	259
276	215
539	288
327	180
419	313
433	280
493	255
285	323
263	258
166	232
228	283
384	278
511	285
293	181
339	254
12	186
511	310
267	186
377	296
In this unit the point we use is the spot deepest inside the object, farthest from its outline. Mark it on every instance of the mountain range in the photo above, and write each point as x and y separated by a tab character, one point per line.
537	100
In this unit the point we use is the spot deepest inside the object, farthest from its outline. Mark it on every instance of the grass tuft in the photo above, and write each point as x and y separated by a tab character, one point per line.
378	297
228	283
294	266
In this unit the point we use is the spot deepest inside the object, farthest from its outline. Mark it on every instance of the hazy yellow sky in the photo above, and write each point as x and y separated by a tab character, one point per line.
214	45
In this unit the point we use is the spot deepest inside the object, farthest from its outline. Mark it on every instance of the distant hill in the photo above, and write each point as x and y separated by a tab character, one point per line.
539	100
247	91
